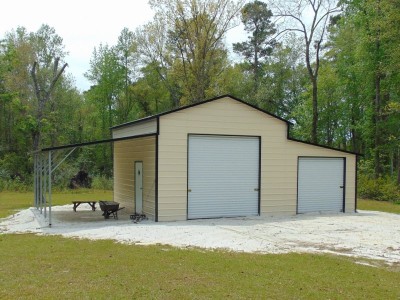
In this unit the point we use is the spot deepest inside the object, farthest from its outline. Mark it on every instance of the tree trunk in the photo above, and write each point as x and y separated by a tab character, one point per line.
36	140
313	74
255	70
314	137
398	166
377	133
354	134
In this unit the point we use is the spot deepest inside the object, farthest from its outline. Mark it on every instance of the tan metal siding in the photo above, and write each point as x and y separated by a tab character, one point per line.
146	127
125	154
225	116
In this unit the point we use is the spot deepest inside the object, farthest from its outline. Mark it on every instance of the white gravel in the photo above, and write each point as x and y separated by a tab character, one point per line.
367	234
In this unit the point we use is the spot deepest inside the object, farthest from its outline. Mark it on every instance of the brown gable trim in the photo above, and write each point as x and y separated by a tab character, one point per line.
196	104
322	146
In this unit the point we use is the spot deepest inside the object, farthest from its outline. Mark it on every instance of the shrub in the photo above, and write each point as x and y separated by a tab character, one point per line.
15	185
101	182
382	189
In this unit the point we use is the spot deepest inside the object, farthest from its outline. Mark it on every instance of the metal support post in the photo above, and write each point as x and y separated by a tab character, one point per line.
49	188
40	169
44	201
37	186
34	180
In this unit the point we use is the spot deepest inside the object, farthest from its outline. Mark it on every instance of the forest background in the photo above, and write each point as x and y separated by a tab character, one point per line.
331	68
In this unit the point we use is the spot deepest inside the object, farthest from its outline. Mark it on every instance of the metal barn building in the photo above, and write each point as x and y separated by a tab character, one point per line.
225	158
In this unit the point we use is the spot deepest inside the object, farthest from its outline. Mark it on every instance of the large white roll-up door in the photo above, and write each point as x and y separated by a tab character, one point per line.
223	176
320	184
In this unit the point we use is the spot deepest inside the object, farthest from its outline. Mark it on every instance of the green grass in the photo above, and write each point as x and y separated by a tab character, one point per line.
50	267
13	201
53	267
378	206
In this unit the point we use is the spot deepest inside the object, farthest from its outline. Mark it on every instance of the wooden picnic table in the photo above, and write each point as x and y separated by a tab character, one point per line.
79	202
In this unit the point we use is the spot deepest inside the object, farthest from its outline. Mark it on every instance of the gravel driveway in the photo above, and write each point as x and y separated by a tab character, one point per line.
367	234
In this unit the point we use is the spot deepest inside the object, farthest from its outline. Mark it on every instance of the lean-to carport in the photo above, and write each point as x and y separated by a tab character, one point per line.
45	163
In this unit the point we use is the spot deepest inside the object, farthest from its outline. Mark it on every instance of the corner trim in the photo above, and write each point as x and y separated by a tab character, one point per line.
356	187
259	175
156	171
344	184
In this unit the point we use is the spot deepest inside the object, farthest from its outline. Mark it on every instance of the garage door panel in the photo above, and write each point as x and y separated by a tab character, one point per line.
320	184
223	176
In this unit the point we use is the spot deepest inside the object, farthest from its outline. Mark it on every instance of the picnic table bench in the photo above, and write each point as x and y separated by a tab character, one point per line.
78	202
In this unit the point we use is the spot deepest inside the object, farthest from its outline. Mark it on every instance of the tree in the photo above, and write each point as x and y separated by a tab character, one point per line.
310	19
43	94
193	32
285	80
381	49
154	53
256	18
367	62
33	118
108	76
38	50
151	94
126	52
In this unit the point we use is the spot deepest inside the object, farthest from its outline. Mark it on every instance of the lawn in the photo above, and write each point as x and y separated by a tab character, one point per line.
54	267
13	201
385	206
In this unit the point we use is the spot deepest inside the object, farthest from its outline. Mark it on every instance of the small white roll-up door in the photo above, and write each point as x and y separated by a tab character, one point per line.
320	184
223	176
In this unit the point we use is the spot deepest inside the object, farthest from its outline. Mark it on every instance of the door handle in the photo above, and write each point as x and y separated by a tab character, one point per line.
189	190
341	186
256	189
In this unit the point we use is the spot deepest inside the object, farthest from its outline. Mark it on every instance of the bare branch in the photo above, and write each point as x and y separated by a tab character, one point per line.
286	30
34	78
54	81
55	68
330	12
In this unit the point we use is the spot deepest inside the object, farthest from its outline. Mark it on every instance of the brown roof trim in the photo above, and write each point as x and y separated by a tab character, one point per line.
196	104
97	142
322	146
